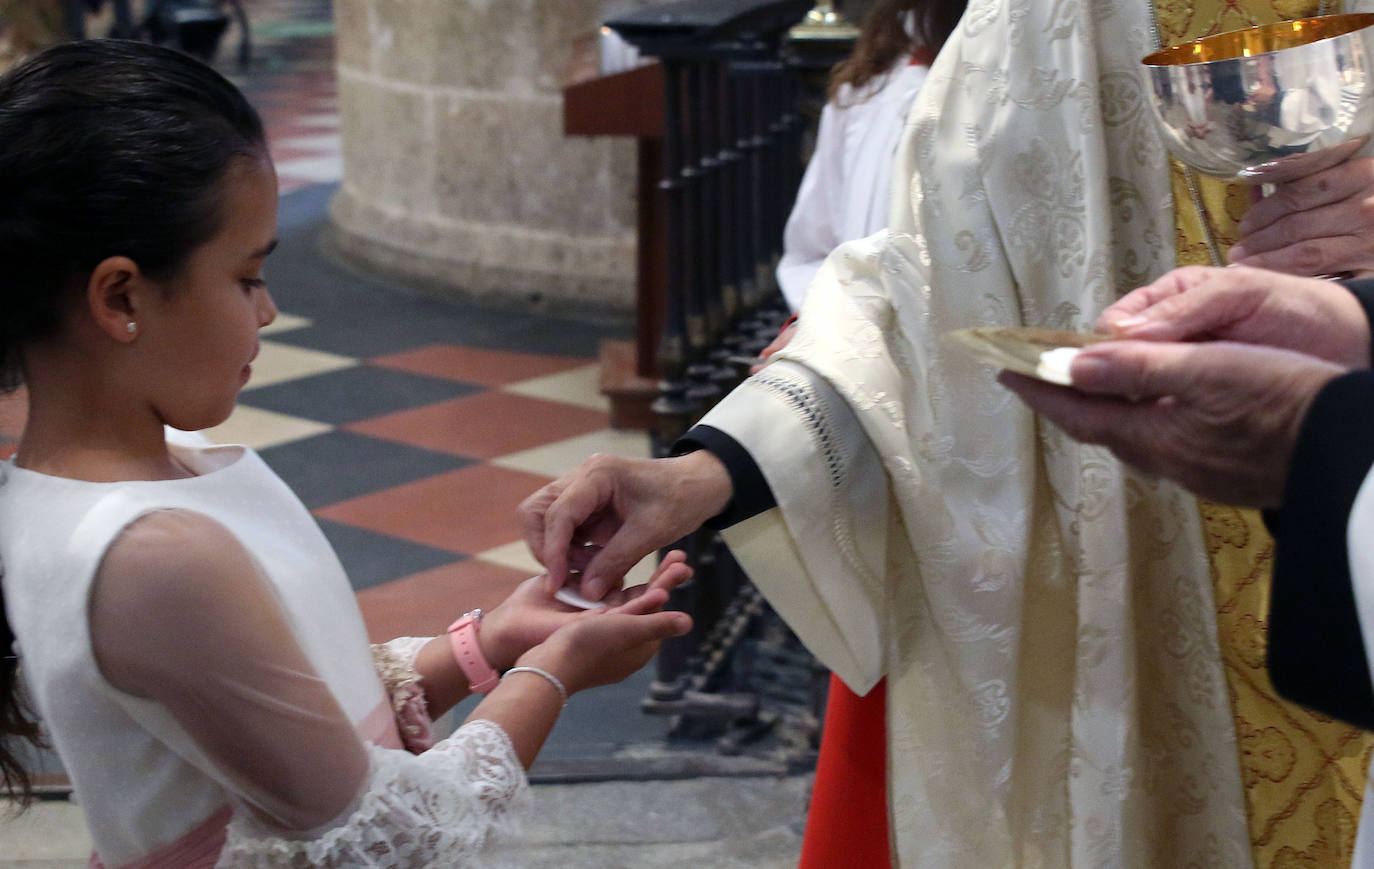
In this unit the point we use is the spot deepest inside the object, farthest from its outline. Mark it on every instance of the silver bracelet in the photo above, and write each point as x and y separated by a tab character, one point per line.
553	680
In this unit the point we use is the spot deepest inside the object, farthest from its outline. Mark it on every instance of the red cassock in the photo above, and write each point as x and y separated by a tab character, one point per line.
847	822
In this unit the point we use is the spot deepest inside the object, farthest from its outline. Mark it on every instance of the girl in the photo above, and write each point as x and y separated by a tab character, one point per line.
187	635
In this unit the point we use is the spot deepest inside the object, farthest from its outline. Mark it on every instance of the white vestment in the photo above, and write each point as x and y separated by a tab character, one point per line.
1044	618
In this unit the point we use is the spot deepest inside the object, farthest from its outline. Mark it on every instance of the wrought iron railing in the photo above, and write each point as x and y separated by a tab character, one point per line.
732	155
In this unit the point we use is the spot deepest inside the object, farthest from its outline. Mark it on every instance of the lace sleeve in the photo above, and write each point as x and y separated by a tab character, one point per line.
438	809
395	663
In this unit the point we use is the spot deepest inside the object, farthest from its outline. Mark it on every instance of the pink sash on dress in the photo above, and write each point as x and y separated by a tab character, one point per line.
199	849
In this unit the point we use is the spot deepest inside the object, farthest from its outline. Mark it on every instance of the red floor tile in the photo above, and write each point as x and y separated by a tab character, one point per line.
485	425
469	510
424	604
470	364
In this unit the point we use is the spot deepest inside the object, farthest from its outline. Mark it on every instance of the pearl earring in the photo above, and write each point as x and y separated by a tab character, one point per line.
131	326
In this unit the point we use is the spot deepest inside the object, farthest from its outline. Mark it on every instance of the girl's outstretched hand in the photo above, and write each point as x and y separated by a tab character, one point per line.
600	647
530	615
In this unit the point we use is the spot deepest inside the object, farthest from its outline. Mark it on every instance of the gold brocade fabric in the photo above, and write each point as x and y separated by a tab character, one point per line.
1304	773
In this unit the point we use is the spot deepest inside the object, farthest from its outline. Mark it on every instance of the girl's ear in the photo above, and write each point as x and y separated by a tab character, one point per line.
114	295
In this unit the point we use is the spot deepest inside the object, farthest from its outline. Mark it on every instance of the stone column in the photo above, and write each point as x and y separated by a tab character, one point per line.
457	176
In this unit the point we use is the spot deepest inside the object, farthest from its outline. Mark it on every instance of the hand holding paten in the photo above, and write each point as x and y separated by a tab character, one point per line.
1218	418
1311	316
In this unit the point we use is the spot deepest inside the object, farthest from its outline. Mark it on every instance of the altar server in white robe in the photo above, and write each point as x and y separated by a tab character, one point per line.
846	191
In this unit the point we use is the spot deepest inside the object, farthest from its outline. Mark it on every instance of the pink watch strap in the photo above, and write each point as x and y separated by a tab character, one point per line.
462	636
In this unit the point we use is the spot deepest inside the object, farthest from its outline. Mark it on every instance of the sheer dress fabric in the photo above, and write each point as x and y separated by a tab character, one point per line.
220	661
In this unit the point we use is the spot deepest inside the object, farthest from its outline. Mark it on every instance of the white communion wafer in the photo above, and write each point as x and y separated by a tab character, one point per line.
1054	365
572	598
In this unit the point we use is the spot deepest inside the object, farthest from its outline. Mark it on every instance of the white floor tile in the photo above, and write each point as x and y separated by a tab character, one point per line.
278	363
556	459
285	323
515	556
49	830
580	386
261	429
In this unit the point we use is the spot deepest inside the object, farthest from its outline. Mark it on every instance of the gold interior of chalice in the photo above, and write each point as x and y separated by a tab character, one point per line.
1260	40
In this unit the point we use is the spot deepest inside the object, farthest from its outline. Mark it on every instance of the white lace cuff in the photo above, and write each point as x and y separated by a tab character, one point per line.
435	809
395	664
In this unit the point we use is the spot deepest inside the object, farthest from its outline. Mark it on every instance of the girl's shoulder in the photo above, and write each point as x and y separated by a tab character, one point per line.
168	585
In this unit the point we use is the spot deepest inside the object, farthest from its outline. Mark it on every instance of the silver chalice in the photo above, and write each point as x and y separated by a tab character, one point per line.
1268	104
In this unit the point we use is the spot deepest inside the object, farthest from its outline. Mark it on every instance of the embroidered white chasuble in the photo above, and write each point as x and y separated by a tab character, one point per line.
1044	618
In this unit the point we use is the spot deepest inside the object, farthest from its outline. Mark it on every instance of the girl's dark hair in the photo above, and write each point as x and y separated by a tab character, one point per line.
107	148
883	38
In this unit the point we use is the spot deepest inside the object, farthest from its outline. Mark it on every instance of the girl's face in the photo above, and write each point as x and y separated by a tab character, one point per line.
201	335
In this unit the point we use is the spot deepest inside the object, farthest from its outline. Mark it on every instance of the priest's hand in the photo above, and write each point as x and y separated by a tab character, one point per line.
626	508
1320	224
1312	316
1218	418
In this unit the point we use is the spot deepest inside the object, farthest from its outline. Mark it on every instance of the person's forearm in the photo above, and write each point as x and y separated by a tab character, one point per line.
526	706
749	491
443	681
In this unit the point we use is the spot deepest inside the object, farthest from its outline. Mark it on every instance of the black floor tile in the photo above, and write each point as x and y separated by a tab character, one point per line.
373	559
352	394
339	465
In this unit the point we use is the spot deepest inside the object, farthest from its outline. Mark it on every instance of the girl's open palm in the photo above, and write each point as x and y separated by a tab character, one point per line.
531	615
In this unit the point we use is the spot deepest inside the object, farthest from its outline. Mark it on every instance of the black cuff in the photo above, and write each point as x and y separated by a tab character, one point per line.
752	495
1316	650
1364	292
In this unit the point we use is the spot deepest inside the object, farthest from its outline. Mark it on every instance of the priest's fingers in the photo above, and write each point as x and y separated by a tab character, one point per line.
1308	249
1316	225
1255	306
553	515
1350	178
632	542
533	515
1127	310
1219	418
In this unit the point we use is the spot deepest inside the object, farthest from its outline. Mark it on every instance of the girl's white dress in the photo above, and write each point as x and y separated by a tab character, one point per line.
164	789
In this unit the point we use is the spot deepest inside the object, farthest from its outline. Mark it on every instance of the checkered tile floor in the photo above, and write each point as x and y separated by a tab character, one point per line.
414	460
